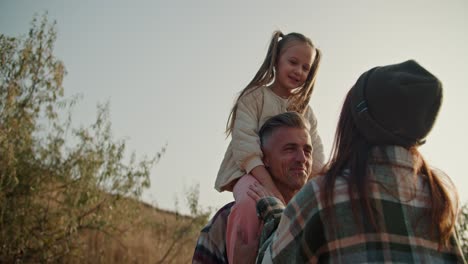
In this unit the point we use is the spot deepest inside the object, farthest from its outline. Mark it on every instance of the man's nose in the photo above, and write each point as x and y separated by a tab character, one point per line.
301	156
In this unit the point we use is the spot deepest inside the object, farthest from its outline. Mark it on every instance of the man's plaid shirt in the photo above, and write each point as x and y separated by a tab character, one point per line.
211	244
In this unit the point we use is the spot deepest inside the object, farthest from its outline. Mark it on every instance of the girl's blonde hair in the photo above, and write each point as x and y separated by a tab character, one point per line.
265	75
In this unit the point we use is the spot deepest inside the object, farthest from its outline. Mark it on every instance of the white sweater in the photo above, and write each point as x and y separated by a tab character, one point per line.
243	153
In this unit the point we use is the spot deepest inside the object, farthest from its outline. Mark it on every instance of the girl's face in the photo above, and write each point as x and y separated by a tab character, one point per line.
292	67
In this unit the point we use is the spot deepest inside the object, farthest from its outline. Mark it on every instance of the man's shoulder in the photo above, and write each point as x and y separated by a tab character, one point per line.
211	244
219	219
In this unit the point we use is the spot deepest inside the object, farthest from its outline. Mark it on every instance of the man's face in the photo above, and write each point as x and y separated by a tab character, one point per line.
288	157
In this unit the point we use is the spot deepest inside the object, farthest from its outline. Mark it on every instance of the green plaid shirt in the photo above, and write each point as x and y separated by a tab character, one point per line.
300	233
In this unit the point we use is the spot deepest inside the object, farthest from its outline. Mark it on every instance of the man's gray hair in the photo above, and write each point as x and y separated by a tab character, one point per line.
286	119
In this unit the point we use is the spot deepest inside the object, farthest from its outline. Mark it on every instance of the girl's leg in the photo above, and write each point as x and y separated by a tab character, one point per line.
243	215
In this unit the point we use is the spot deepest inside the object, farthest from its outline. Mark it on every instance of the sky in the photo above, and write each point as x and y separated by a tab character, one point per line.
171	71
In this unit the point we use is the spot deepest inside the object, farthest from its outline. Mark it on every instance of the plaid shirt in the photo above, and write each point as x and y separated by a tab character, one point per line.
300	233
211	244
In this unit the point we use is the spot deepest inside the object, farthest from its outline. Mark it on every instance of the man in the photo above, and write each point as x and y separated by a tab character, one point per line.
287	154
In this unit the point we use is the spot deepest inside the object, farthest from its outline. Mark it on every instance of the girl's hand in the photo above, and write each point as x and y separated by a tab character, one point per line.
274	192
258	192
262	175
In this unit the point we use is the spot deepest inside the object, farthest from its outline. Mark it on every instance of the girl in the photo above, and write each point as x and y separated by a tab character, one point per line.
284	82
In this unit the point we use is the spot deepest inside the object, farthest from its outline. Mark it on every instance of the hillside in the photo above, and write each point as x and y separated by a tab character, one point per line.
152	236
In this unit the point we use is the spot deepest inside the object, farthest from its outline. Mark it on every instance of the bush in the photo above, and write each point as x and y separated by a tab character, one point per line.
463	229
50	189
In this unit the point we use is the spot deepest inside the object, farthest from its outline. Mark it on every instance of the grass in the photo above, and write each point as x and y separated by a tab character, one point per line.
150	236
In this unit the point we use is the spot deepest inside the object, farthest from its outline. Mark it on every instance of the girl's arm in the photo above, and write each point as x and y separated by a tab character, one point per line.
246	142
318	157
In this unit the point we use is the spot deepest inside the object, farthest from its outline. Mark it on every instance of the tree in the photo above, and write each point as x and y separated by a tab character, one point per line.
51	189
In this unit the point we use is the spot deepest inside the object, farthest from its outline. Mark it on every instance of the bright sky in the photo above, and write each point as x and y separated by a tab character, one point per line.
171	70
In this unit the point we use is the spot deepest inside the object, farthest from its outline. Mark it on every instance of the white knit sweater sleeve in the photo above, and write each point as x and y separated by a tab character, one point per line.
245	141
318	152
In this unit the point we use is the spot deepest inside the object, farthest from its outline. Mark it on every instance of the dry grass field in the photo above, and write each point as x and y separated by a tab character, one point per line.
152	236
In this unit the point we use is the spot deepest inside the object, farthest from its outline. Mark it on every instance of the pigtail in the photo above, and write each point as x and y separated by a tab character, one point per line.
263	77
301	98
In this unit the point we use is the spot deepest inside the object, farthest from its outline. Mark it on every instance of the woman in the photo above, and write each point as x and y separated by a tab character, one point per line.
378	200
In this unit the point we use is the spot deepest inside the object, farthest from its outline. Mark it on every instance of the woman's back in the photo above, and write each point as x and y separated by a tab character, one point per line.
401	202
